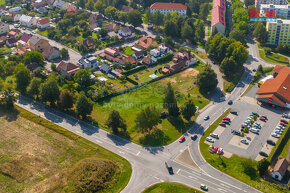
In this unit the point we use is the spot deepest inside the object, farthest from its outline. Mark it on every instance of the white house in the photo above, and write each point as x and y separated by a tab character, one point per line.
51	53
155	52
15	9
89	62
61	4
17	17
43	23
280	169
4	28
164	49
165	8
28	21
126	32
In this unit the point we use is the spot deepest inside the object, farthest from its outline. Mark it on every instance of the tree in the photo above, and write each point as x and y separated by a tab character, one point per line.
122	16
200	33
188	110
66	99
187	32
262	166
267	51
171	28
33	56
240	14
238	35
147	119
204	11
260	69
207	79
228	66
170	102
82	77
22	75
111	12
260	33
34	86
100	7
49	91
81	3
115	121
194	5
84	106
90	4
249	2
135	18
64	53
157	18
8	96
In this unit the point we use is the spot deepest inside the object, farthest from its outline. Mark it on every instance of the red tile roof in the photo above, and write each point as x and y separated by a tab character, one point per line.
171	6
146	42
71	8
277	68
129	59
281	166
272	96
44	21
217	16
70	68
220	3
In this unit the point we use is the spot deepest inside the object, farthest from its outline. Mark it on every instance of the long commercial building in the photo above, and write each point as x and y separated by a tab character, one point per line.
218	16
278	32
165	8
281	10
274	2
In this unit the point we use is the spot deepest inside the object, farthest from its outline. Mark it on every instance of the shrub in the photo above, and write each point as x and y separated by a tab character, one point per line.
255	117
263	166
242	134
134	70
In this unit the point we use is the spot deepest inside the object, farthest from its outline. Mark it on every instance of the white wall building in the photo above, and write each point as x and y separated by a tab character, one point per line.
281	10
165	8
274	2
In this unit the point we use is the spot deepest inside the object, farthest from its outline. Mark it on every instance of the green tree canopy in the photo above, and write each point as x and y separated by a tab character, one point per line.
188	110
135	18
82	77
64	53
187	32
90	4
84	106
111	12
200	32
115	121
49	91
100	6
8	96
34	87
263	165
228	66
147	119
33	56
238	35
171	28
22	75
170	102
66	99
207	79
204	11
260	33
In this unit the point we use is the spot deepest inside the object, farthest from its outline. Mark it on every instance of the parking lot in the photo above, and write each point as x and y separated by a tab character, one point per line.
256	142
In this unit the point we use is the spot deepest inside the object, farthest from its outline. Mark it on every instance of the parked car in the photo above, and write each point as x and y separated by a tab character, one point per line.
182	139
257	126
226	118
193	137
214	135
254	69
275	135
270	142
283	124
284	121
263	119
215	149
225	121
256	114
256	131
222	124
209	139
203	187
235	132
206	118
278	132
234	112
280	127
244	141
285	115
263	154
230	102
169	168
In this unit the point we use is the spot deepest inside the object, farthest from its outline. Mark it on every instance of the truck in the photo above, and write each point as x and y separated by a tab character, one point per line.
263	80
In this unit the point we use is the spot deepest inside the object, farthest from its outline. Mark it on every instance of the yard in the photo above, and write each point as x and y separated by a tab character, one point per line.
234	166
39	156
128	51
166	187
131	103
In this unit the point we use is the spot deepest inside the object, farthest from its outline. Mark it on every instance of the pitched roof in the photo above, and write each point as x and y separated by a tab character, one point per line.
26	37
171	6
281	166
146	60
105	67
12	40
277	68
49	50
146	42
280	84
71	8
67	67
220	3
127	30
34	39
25	18
44	21
2	38
129	59
217	16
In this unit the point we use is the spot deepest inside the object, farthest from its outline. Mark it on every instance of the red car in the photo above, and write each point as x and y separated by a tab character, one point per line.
284	121
215	149
222	124
182	139
283	124
262	118
226	118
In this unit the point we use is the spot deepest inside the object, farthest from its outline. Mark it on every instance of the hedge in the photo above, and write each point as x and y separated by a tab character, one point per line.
134	70
165	58
131	80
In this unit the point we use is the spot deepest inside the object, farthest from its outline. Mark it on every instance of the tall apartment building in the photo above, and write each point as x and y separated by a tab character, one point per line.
165	8
274	2
278	32
281	10
218	16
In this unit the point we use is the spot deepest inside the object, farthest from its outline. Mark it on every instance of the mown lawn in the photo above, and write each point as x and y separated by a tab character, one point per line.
44	32
131	103
234	166
128	51
166	187
39	156
231	82
263	56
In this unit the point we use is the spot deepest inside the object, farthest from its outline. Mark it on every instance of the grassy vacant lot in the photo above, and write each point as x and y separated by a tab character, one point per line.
273	55
39	156
43	32
130	104
231	82
2	2
166	187
235	165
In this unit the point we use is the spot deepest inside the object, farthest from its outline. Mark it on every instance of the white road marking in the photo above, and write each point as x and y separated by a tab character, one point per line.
105	138
78	132
98	141
158	179
178	171
221	189
224	185
192	177
138	153
121	152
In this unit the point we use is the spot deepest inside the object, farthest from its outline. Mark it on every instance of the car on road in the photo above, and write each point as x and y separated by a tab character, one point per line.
214	135
262	119
169	167
275	135
263	154
284	121
203	187
182	139
226	118
234	112
244	141
222	124
34	32
209	139
256	131
206	118
270	142
230	102
254	69
193	137
256	114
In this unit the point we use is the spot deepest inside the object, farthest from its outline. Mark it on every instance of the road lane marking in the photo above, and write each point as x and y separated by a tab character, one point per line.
121	152
178	171
192	177
224	185
222	190
78	132
98	141
138	153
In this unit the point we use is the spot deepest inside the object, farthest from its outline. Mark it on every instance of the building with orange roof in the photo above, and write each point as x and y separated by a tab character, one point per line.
146	42
165	8
218	16
276	91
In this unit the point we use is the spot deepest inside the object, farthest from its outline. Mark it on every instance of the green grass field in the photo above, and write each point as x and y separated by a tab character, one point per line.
128	51
233	166
166	187
131	103
2	2
276	56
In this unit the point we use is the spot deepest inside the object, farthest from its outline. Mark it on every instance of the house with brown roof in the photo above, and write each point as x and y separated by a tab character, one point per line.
89	43
24	39
111	54
165	8
129	59
3	40
21	50
146	61
276	91
146	42
66	68
280	169
4	28
96	19
186	56
38	44
51	53
39	4
71	9
43	23
16	33
112	27
126	32
11	42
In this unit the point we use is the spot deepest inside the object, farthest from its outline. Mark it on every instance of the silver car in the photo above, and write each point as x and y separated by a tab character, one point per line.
209	140
275	135
214	135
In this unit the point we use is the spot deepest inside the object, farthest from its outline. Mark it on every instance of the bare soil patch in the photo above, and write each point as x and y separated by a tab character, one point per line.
189	72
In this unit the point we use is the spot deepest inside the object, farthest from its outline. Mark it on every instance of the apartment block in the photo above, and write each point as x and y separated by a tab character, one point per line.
278	32
165	8
281	10
218	16
274	2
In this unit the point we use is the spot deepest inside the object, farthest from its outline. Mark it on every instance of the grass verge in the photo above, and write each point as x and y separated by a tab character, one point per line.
262	55
166	187
235	166
230	82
